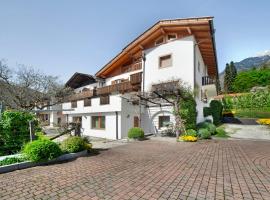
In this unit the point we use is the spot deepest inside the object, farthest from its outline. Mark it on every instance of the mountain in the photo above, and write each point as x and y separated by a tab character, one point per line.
249	63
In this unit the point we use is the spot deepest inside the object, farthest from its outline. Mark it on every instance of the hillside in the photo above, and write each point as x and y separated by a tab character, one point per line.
247	64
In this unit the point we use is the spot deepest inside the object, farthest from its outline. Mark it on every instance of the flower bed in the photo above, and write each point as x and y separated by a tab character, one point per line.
263	121
189	138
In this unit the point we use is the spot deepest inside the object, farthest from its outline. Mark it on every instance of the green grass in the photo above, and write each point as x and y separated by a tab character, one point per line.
221	133
253	113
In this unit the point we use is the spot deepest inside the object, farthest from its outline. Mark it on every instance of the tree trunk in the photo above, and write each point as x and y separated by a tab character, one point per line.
177	117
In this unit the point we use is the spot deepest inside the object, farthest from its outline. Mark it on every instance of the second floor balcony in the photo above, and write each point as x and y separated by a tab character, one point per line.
82	95
119	87
207	80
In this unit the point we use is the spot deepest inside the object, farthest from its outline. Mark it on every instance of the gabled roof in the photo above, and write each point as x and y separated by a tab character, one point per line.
200	27
80	80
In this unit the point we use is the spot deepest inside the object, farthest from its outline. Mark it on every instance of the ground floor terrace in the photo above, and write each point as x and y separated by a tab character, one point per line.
152	169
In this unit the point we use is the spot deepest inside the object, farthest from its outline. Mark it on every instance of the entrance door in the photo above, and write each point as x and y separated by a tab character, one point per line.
77	120
136	121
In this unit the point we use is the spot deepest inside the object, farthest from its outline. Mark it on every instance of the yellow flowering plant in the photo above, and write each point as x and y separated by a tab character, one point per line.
263	121
188	138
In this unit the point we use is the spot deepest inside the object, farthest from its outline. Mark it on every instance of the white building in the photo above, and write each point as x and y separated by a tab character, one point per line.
170	50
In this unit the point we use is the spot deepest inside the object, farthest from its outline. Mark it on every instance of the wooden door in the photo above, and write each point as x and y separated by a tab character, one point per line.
136	121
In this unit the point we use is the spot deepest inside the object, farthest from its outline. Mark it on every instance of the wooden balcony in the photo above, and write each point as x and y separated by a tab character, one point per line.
132	67
119	87
206	80
136	78
82	95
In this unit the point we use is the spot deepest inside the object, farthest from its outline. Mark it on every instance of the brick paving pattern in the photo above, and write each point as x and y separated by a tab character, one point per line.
221	169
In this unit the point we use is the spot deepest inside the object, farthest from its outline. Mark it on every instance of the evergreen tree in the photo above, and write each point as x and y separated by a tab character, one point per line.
227	78
230	75
218	86
233	71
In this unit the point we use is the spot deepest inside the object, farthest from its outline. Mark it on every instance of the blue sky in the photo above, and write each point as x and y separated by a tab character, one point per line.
64	36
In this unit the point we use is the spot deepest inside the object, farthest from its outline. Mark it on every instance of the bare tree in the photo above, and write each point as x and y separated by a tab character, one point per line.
27	88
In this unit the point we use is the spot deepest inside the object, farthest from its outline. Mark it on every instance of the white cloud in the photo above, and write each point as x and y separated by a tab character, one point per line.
263	53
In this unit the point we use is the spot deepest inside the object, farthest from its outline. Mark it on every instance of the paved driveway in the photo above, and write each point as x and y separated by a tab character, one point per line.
230	169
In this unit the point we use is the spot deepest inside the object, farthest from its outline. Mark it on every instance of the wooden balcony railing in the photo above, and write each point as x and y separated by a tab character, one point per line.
132	67
136	78
119	87
206	80
82	95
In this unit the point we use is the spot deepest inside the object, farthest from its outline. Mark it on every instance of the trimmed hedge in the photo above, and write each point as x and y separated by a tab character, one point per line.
215	110
74	144
136	133
42	150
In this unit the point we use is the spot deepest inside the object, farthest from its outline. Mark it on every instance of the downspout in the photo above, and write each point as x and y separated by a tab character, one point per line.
116	125
143	88
143	71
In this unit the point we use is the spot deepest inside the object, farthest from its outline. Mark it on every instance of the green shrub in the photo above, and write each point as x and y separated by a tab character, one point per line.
207	111
212	128
14	131
204	133
220	132
41	150
12	160
136	133
191	132
188	112
40	135
215	110
74	144
209	126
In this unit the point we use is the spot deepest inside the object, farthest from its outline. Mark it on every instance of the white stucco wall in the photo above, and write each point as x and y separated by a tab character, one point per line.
182	62
128	113
110	125
150	118
115	105
200	71
91	86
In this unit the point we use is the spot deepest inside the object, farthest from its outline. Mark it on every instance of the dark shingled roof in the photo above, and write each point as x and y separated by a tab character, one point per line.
80	80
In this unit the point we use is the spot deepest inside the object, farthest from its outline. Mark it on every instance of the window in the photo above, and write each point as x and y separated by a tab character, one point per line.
104	100
87	102
163	121
159	41
199	66
98	122
172	37
165	61
74	104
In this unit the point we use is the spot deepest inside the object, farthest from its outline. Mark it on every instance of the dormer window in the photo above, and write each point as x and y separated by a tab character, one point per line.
159	41
171	37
